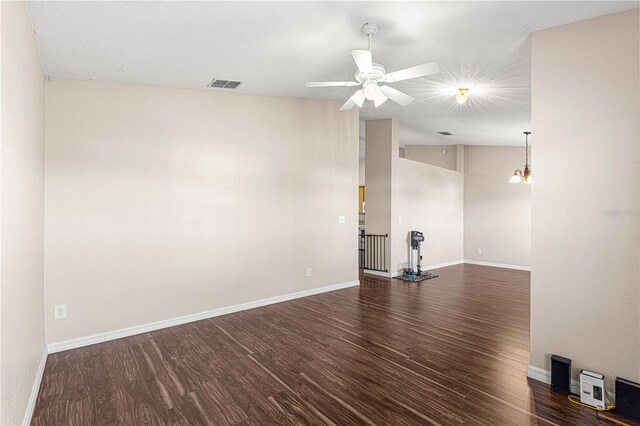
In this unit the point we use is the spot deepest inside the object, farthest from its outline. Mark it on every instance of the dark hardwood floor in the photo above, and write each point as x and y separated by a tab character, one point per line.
449	351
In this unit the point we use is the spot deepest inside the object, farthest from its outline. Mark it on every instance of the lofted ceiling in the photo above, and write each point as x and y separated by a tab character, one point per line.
275	47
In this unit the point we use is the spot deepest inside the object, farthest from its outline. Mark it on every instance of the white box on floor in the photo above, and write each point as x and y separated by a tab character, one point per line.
592	389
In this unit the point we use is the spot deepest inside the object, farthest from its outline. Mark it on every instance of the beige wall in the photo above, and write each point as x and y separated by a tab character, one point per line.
497	214
160	200
21	212
382	140
585	295
429	199
432	154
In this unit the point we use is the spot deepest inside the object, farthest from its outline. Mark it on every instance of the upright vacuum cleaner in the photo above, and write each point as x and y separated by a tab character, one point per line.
414	272
414	255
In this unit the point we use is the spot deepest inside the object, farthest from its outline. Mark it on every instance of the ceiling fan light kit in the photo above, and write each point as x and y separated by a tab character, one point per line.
525	176
370	75
371	90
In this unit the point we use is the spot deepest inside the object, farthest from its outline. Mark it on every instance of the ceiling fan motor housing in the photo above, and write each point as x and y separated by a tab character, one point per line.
375	75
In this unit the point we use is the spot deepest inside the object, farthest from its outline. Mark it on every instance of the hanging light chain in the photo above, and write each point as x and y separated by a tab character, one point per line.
526	148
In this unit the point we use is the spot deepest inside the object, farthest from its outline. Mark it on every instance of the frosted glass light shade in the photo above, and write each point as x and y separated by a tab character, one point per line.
358	98
371	91
380	99
517	177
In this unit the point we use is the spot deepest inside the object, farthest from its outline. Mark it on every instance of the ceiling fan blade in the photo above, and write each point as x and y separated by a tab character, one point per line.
363	60
413	72
347	105
396	95
331	84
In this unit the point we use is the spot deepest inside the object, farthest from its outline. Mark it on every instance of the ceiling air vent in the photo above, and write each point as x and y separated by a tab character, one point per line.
224	84
445	133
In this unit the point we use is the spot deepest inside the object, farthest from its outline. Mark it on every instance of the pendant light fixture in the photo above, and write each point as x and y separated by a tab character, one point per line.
520	176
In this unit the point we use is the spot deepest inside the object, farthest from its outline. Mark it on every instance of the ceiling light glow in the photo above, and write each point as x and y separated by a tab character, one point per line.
371	91
463	95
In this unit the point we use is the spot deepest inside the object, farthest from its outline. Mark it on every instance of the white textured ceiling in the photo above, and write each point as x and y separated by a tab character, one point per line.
275	47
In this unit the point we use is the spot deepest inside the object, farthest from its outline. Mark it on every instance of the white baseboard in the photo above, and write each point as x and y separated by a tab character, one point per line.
436	266
544	376
144	328
452	263
498	265
426	268
539	374
378	273
31	404
443	265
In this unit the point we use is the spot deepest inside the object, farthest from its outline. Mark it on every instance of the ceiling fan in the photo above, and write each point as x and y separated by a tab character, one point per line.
371	74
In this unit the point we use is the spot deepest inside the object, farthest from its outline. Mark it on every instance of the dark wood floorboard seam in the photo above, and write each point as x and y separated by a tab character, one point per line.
449	351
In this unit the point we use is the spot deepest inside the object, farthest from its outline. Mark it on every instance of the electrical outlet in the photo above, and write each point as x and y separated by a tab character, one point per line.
59	312
308	272
341	219
479	251
399	219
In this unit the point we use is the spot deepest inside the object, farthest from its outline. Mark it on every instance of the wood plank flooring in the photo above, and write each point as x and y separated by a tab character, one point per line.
449	351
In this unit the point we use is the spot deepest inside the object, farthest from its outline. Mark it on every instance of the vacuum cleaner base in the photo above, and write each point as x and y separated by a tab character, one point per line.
416	278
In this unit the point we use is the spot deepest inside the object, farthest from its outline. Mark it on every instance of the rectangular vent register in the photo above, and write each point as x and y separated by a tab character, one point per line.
224	84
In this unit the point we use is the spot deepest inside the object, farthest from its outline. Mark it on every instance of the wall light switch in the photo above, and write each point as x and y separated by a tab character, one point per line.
308	272
341	219
479	251
59	312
